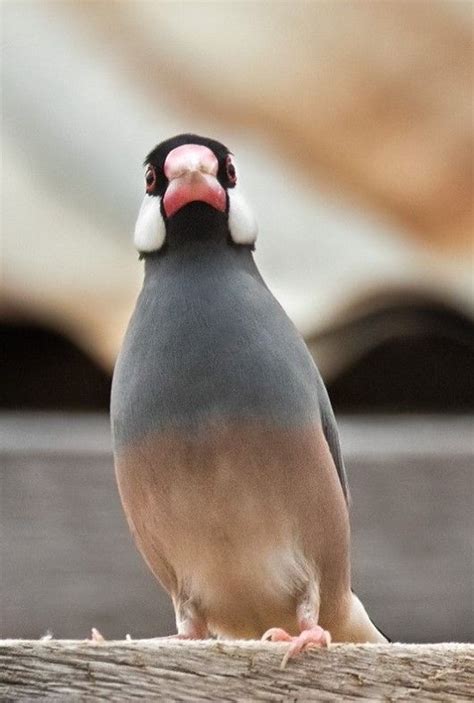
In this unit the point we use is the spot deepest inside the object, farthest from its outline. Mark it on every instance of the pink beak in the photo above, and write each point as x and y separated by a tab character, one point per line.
192	173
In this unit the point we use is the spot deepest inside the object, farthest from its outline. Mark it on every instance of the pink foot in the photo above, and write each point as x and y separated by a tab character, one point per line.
313	637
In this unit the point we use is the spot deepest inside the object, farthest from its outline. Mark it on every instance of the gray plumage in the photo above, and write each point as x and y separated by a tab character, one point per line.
213	341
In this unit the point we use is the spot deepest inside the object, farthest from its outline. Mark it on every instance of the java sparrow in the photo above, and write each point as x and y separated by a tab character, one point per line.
226	448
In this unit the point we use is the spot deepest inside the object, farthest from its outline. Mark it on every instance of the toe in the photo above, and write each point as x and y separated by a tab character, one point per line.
96	636
276	634
315	637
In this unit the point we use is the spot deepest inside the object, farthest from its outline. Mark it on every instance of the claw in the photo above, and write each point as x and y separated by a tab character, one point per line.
96	636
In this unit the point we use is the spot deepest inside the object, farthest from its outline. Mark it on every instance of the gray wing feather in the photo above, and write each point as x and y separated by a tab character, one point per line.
332	436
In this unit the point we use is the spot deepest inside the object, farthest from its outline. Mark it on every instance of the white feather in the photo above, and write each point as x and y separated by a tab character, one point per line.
150	228
242	223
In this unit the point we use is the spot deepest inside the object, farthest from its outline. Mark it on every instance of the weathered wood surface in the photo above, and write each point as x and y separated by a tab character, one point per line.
232	671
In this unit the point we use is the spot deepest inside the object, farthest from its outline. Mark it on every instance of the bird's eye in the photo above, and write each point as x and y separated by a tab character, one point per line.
150	179
230	170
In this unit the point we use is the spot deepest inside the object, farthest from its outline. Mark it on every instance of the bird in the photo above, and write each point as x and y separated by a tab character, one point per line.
226	448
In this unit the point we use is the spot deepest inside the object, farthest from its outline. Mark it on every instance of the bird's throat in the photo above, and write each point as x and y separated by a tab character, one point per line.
196	224
199	232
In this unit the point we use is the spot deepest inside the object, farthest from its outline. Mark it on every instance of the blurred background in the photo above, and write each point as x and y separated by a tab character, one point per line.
352	125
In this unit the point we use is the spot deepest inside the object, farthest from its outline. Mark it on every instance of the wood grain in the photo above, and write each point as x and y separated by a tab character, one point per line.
232	671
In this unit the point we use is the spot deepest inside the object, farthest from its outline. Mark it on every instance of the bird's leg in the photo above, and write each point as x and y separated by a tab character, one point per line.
190	623
311	634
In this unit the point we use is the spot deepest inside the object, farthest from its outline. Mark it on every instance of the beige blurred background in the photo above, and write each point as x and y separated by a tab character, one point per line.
351	121
352	125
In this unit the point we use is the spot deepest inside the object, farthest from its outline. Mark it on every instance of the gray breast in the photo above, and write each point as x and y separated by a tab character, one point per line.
208	341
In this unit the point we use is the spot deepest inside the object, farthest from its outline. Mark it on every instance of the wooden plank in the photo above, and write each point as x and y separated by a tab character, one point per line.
423	435
232	671
69	563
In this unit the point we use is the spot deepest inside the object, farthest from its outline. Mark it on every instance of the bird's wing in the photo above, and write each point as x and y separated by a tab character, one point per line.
332	436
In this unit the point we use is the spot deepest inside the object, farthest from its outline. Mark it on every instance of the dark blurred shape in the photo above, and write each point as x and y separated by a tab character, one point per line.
402	357
406	356
41	369
427	374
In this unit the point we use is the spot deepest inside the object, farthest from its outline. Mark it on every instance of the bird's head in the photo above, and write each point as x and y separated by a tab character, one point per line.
190	169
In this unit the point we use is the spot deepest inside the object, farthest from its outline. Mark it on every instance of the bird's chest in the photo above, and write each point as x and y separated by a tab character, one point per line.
200	358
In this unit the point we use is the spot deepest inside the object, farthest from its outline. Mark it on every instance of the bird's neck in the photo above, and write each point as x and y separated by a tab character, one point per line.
199	235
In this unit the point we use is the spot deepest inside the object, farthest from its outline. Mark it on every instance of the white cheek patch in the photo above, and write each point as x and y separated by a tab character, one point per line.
242	223
150	231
